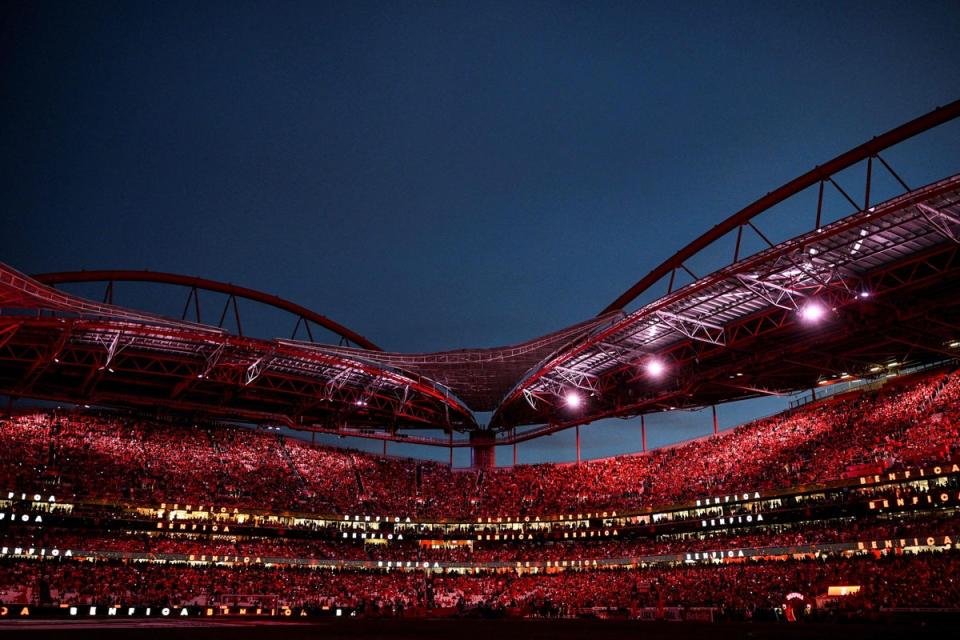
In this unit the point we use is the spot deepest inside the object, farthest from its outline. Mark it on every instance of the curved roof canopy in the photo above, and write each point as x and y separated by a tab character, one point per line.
846	300
872	290
303	315
57	346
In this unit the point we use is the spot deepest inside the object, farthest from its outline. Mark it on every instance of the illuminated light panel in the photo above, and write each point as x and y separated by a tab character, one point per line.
859	243
843	590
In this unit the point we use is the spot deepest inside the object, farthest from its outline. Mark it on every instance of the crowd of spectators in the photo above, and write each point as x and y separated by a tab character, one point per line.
891	580
109	456
129	459
887	581
104	455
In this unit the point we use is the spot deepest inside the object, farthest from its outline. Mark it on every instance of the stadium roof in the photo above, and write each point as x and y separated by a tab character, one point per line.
482	377
875	289
845	300
58	346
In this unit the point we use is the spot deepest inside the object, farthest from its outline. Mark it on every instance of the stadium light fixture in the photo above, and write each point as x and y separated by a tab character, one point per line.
656	368
864	294
813	311
573	400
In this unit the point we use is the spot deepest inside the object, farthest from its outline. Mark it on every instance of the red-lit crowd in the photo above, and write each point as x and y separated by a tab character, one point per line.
893	580
113	457
117	458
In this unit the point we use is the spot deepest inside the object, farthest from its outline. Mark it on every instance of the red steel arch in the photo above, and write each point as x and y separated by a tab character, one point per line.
821	173
204	284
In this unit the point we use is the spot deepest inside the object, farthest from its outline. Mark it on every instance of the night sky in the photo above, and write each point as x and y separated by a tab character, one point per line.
441	175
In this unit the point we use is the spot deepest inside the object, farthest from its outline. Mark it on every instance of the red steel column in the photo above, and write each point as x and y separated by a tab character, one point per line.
578	444
643	431
716	426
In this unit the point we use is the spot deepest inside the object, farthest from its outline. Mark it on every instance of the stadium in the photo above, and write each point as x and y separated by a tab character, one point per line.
145	505
172	469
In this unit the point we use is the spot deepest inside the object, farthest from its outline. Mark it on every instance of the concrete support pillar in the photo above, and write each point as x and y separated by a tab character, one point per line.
482	448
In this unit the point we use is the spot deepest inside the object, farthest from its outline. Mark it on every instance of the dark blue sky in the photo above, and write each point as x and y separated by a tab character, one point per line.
441	175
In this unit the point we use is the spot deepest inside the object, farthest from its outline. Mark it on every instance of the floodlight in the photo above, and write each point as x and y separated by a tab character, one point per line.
813	311
656	368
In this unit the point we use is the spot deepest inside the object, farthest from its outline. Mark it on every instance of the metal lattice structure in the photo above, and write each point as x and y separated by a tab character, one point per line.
880	288
887	281
60	347
482	377
195	285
